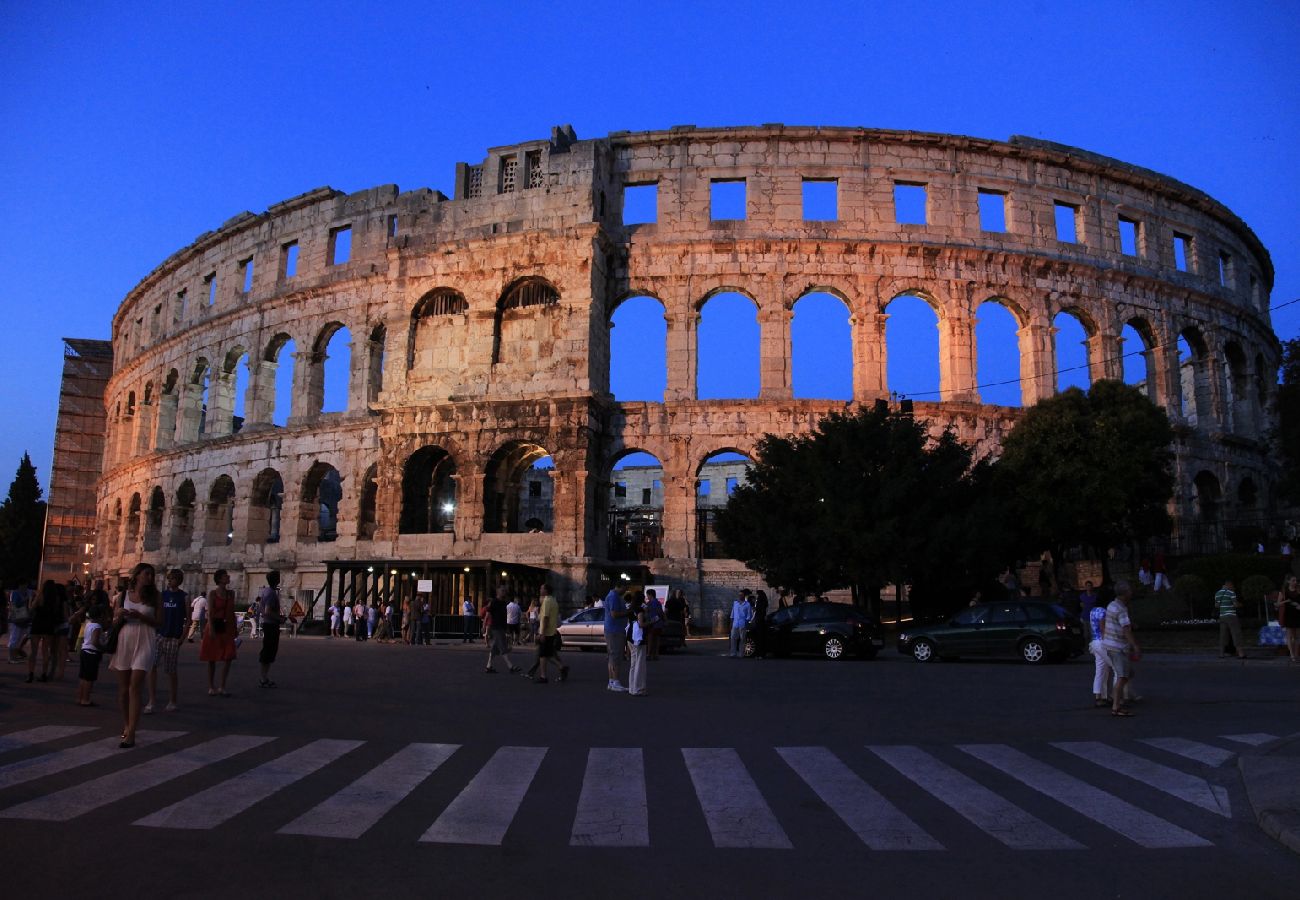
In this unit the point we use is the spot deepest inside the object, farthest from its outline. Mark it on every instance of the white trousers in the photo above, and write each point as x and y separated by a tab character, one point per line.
636	675
1101	677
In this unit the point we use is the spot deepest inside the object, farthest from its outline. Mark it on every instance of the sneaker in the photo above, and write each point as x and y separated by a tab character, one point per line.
564	673
171	707
617	688
148	709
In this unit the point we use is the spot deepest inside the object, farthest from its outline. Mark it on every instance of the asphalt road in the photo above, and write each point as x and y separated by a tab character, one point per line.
408	772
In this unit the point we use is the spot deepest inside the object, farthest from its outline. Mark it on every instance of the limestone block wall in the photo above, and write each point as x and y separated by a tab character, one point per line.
480	328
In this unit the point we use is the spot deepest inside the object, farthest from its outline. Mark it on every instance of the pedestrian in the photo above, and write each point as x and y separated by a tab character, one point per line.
137	620
637	636
251	616
1087	600
654	623
1101	671
93	638
62	633
45	619
548	645
359	626
384	630
1144	574
467	620
268	601
498	640
426	620
198	617
372	619
675	610
1288	616
533	621
336	620
740	614
1160	577
758	628
219	644
1121	647
514	618
167	642
615	612
1227	605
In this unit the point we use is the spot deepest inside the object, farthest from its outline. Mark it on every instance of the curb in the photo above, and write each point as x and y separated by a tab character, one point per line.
1272	781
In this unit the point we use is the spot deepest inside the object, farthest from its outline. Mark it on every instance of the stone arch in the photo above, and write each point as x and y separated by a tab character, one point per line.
999	366
1140	367
727	342
133	522
524	320
1071	359
277	381
717	474
1194	389
1238	405
322	489
154	519
193	408
368	504
438	324
323	393
376	354
510	500
429	488
183	509
913	366
821	345
230	393
1207	508
265	508
638	352
634	506
219	527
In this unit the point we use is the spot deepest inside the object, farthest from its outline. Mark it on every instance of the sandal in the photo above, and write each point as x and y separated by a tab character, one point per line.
1126	713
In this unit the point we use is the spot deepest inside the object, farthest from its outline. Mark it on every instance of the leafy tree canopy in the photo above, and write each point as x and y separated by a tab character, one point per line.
22	526
1091	468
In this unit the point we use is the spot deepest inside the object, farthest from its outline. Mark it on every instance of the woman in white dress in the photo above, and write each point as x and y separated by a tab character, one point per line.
137	618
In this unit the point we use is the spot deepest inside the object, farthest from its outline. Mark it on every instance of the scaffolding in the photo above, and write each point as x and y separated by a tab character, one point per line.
69	545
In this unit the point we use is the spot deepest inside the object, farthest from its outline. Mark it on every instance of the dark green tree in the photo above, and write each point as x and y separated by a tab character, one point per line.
22	526
1093	469
867	499
1287	433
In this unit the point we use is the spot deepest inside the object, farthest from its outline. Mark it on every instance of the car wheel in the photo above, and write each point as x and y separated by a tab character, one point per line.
834	647
749	648
923	650
1033	651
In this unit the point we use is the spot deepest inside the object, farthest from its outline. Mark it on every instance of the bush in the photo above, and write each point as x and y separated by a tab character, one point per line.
1216	569
1149	611
1195	599
1253	591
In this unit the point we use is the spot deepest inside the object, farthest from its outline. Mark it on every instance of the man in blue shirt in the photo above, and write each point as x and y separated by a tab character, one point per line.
171	631
741	614
615	636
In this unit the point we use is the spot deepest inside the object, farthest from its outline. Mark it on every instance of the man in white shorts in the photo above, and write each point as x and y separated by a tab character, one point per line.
1121	648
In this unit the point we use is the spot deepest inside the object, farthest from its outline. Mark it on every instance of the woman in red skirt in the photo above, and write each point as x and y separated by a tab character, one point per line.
219	635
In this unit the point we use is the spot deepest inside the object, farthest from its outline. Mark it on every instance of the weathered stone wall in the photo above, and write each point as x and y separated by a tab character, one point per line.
480	325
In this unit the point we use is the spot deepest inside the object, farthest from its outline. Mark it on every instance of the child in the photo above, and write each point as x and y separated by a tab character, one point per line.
93	639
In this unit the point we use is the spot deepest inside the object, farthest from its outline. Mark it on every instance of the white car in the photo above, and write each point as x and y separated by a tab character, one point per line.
585	629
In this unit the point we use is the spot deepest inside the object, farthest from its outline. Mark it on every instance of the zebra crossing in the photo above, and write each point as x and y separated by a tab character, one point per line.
870	790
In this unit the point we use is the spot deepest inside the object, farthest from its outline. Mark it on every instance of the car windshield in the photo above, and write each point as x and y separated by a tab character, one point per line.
782	616
586	615
971	616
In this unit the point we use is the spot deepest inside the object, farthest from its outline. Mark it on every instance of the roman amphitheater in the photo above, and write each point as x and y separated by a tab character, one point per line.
480	436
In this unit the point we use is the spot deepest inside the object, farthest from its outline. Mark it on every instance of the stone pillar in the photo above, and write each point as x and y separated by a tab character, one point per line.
308	386
869	371
1214	373
683	331
774	369
1105	357
1168	375
221	405
190	412
1037	368
165	433
144	429
957	358
358	375
469	504
260	405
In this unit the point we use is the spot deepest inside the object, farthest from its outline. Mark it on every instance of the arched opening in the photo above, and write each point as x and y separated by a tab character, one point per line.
183	516
220	527
715	480
912	348
1207	506
322	489
375	362
194	410
154	520
727	348
437	336
330	374
527	322
635	507
821	348
997	355
168	407
279	359
1137	342
266	504
367	510
133	523
114	535
428	492
1239	402
231	400
1247	494
518	489
1193	377
638	350
1070	350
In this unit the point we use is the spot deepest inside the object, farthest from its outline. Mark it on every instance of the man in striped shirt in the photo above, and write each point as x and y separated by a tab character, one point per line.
1227	604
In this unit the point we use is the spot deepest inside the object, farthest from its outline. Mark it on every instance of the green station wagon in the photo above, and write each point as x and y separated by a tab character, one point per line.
1033	631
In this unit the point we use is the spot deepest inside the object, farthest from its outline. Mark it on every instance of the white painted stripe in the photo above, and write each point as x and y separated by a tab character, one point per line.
1194	750
354	810
42	735
482	813
25	770
992	814
735	811
875	820
612	810
1253	740
75	801
1196	791
1106	809
222	802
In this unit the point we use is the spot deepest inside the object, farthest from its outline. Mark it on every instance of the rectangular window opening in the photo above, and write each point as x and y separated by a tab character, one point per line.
1225	270
993	211
210	282
534	489
657	485
640	204
289	259
620	489
731	485
909	203
509	174
533	169
1067	224
1128	236
820	200
1182	252
340	245
246	266
392	226
645	496
180	307
705	487
726	200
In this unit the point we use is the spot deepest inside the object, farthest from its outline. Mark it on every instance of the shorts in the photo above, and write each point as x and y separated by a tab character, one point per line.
549	646
615	642
500	646
89	665
514	631
165	653
270	644
1120	663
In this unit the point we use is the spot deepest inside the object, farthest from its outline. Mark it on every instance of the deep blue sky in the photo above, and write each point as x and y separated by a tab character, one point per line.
129	129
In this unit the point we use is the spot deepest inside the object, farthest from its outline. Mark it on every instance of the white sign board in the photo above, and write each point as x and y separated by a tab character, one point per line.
424	586
661	591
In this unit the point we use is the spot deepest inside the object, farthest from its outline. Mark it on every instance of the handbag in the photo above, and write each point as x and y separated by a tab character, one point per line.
110	646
